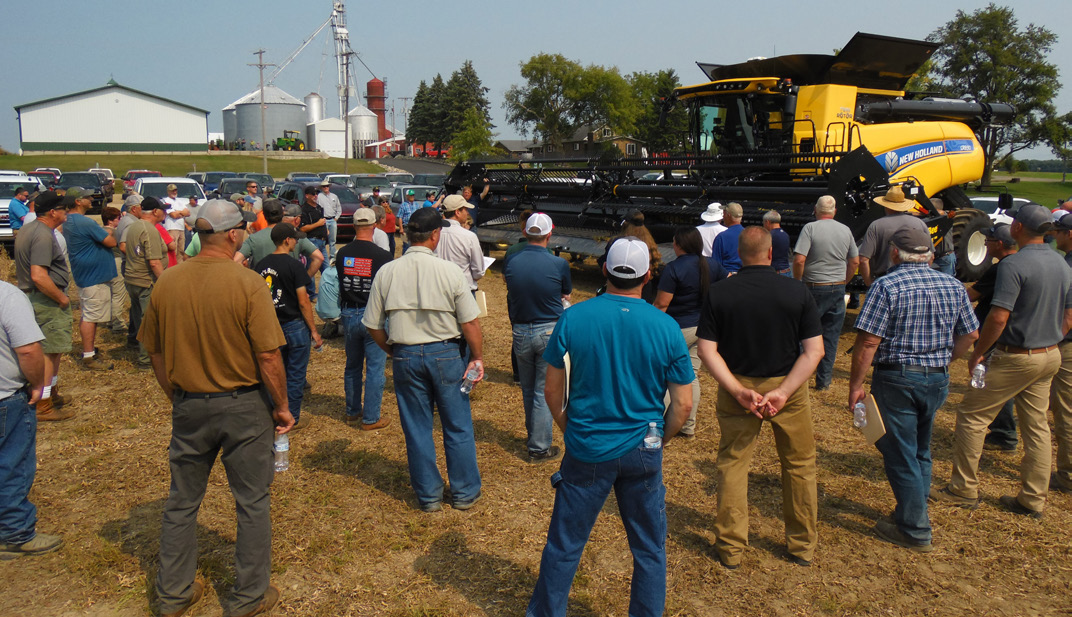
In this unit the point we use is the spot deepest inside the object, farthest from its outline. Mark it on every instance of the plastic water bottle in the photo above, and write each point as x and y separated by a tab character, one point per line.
470	380
979	376
565	303
859	415
282	452
653	439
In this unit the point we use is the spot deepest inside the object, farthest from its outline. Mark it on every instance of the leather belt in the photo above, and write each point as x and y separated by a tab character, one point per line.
824	284
183	394
912	368
1021	350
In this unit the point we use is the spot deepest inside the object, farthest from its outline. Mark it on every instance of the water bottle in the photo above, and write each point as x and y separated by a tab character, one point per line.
282	452
565	303
979	376
470	380
859	415
653	439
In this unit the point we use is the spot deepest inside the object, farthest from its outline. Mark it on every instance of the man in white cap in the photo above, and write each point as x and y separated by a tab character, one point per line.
175	219
711	227
457	244
213	337
624	355
537	282
332	207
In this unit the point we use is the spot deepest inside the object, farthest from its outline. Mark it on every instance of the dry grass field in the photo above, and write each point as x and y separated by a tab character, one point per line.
348	539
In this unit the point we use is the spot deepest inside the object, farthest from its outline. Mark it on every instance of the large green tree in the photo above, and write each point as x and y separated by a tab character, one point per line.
560	95
418	129
464	91
472	137
988	55
649	90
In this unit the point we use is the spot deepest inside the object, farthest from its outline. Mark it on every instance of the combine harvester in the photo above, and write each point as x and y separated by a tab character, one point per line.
771	133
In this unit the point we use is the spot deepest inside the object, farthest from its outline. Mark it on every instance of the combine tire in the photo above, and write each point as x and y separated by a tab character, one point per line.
970	243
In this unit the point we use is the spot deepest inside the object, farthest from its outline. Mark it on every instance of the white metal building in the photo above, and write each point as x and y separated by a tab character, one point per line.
112	118
328	136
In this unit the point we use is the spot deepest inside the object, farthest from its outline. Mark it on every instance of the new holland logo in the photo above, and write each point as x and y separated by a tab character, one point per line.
891	160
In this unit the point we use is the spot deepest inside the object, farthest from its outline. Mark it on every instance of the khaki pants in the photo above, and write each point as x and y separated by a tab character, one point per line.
1026	379
794	437
689	428
180	243
119	295
1061	406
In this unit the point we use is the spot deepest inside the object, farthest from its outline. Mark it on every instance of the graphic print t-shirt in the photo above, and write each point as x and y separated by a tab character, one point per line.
284	275
357	264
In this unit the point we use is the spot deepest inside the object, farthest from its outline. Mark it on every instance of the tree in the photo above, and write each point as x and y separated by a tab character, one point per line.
560	96
418	129
472	137
438	124
464	91
986	54
649	90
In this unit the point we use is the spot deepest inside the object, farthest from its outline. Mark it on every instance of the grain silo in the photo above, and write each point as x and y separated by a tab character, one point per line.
314	108
282	112
364	128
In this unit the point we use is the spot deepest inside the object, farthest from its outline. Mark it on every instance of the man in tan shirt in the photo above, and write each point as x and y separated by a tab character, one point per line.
421	312
213	337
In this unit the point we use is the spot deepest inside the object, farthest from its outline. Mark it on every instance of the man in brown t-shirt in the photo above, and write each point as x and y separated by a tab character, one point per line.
145	253
213	338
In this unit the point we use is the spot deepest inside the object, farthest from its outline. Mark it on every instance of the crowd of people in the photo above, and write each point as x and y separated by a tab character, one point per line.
223	299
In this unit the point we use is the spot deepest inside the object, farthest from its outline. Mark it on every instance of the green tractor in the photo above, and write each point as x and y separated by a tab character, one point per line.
289	141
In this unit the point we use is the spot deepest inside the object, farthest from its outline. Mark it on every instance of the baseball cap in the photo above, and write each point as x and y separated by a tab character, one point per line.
292	210
1034	218
1000	232
152	203
282	231
172	187
912	240
410	193
713	212
539	224
49	200
1063	222
75	193
454	202
628	258
132	200
219	215
364	216
310	190
273	208
425	220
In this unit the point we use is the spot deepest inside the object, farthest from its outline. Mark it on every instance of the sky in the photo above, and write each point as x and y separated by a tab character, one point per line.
198	51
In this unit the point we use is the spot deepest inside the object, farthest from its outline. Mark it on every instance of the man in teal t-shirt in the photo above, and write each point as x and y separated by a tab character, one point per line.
624	355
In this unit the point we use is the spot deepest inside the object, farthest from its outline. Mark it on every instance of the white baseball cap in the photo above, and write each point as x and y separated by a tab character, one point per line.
713	212
539	224
628	258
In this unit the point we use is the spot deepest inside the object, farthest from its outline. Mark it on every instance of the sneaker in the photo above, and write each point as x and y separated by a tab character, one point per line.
271	597
998	447
798	560
375	426
434	506
48	412
944	495
96	363
549	454
464	505
353	420
1057	485
42	543
198	589
303	421
890	533
1012	504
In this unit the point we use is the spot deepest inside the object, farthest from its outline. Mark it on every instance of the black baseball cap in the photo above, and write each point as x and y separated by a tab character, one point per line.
425	220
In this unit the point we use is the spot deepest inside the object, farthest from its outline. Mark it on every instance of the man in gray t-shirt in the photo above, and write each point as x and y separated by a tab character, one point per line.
826	258
1030	314
875	249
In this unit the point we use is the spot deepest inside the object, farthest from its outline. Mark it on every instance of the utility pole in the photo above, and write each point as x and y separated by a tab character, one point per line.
346	117
264	143
405	110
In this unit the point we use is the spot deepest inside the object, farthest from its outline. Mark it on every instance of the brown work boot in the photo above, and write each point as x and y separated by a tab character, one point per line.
42	543
58	400
375	426
48	412
96	363
198	589
271	597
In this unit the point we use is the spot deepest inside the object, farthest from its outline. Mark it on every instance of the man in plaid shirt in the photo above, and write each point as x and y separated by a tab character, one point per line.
914	322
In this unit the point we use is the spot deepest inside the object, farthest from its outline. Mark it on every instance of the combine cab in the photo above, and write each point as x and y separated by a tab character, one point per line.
771	133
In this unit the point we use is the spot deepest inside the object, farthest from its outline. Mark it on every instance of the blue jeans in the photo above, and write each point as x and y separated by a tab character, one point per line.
908	401
425	376
530	340
830	301
322	246
946	264
295	362
333	230
18	464
362	353
581	489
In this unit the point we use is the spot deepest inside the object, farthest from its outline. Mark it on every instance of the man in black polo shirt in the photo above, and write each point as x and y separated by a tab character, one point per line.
357	264
750	335
314	224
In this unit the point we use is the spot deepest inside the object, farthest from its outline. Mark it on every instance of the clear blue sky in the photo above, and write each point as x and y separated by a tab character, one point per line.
197	51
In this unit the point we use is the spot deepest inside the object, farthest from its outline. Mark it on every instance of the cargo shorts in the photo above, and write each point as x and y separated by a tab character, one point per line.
55	323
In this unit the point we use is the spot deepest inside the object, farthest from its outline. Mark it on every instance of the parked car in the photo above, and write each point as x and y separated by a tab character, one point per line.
342	179
294	193
397	178
47	178
213	178
398	194
104	170
132	176
197	176
89	180
362	184
431	179
265	182
11	172
157	187
295	175
989	204
54	170
230	186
